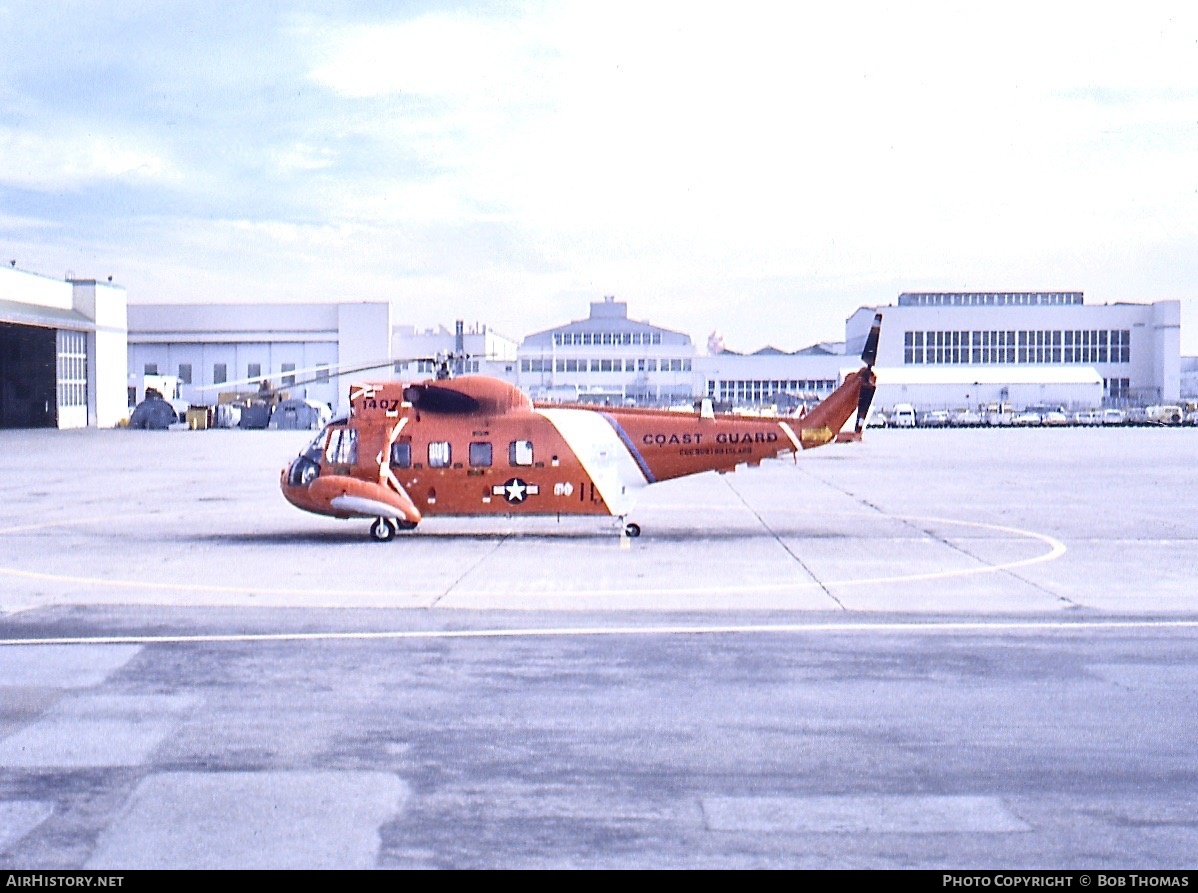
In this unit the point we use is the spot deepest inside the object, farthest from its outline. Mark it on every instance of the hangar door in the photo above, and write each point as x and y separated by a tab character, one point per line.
28	397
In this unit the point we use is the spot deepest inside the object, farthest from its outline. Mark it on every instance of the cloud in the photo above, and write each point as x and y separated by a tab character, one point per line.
467	154
58	160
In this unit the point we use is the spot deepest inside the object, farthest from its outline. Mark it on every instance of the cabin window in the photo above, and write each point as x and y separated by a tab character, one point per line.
401	455
439	454
480	455
343	447
520	452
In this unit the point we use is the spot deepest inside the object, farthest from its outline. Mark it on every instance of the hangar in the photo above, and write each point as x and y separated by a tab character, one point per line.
210	345
1134	349
62	351
297	347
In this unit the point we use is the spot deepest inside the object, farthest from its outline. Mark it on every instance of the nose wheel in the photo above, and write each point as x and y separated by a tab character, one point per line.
383	530
632	530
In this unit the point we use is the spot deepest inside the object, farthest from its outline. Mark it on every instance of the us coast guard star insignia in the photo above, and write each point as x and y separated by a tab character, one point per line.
515	490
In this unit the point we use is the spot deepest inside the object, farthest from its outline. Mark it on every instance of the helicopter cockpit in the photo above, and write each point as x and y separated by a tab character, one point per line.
336	445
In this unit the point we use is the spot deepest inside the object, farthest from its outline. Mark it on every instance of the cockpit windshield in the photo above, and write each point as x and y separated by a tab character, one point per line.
315	449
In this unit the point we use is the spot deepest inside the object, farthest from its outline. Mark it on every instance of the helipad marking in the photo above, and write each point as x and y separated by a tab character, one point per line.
581	631
1056	550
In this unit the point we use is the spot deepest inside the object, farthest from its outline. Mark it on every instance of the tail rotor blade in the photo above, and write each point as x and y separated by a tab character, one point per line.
864	400
870	354
868	382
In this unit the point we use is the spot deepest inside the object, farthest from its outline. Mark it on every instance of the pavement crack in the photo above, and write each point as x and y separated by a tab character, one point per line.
801	563
448	589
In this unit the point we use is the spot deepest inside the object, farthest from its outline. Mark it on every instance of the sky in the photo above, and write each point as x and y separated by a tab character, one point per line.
756	169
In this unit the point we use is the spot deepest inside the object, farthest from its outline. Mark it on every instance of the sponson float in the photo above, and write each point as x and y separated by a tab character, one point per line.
476	445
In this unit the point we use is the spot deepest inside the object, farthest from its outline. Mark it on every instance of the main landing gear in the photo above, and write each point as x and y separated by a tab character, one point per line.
383	530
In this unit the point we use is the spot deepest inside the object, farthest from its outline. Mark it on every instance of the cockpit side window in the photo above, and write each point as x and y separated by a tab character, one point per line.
343	447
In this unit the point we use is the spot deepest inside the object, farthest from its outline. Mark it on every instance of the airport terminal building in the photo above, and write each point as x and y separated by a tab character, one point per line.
62	351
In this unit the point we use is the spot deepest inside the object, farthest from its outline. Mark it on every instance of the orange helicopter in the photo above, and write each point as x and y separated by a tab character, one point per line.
476	445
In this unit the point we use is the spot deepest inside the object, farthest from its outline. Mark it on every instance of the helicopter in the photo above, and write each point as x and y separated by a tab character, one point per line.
474	445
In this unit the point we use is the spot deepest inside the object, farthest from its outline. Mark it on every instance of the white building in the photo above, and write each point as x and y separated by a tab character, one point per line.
770	377
62	351
970	337
477	349
608	358
314	351
297	347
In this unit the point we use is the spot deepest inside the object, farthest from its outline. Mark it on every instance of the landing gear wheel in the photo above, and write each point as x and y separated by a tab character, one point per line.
383	530
632	530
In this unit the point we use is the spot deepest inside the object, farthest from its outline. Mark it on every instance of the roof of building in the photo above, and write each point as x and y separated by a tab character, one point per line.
608	315
45	317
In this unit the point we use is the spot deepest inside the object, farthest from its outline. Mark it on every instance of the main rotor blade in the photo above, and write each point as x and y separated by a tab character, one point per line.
314	373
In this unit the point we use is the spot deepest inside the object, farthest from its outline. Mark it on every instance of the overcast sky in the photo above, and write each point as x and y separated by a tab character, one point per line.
757	169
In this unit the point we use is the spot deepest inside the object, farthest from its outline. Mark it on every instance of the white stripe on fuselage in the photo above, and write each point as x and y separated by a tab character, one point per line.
603	455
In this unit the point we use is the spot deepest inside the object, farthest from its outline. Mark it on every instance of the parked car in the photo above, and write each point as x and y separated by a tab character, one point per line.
935	418
1054	417
1026	419
966	418
999	414
903	416
1113	417
1165	415
1087	417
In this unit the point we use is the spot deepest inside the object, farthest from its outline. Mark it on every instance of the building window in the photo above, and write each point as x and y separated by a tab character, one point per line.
520	452
254	370
322	373
439	454
289	379
480	455
151	368
220	373
185	373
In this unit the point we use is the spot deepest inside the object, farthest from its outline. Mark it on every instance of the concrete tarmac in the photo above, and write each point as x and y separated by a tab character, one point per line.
930	649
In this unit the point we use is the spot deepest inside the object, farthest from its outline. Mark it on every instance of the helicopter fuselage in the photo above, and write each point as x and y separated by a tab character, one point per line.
479	446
